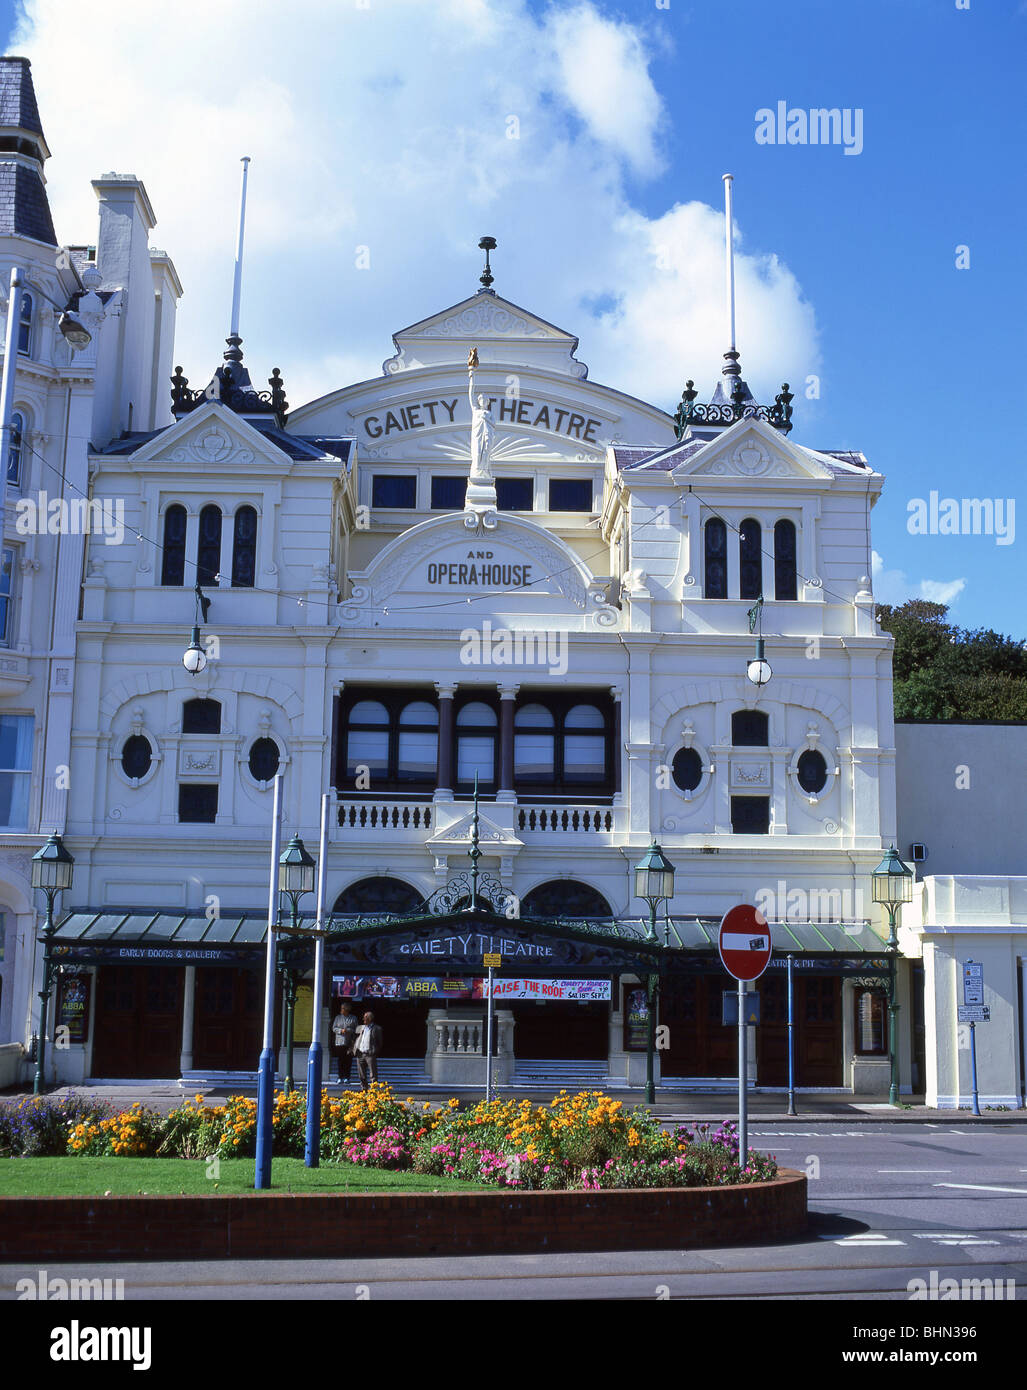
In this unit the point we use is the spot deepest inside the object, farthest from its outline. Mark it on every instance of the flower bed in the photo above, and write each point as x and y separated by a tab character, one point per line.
584	1142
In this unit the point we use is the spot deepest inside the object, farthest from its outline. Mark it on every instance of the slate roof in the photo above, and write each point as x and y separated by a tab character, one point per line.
297	446
633	460
24	210
18	96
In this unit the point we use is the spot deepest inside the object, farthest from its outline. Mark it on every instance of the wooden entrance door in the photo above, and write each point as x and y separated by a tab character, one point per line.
138	1029
228	1022
698	1043
818	1029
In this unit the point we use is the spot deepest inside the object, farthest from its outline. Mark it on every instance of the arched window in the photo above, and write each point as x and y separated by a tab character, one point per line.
476	746
562	897
367	742
750	559
418	743
208	550
264	759
715	583
136	757
811	771
201	717
686	769
534	744
584	746
785	585
173	563
25	324
750	728
14	447
379	894
244	548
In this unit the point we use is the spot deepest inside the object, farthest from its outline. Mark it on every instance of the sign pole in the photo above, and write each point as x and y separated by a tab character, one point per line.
791	1037
266	1073
973	1066
488	1042
315	1057
743	1080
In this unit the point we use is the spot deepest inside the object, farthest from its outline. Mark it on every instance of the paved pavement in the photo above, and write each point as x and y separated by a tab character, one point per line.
890	1204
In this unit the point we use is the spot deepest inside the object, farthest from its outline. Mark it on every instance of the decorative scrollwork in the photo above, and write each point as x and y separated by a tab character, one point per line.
488	891
730	412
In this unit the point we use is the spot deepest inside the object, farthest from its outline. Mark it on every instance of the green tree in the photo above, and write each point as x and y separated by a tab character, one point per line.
946	672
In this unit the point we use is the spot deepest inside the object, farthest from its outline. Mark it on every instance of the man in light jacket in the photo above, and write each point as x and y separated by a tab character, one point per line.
366	1049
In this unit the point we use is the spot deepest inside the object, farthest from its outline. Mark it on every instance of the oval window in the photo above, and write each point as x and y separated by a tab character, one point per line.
811	772
136	757
686	769
264	759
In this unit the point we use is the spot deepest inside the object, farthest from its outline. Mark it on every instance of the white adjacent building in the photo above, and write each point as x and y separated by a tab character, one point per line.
65	399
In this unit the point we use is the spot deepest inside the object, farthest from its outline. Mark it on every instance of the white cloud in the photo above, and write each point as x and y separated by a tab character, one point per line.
605	79
892	586
388	127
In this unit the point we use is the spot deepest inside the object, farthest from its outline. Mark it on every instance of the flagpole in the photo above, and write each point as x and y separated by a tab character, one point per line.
315	1057
266	1073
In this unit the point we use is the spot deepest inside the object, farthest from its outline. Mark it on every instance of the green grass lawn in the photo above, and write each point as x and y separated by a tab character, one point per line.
132	1177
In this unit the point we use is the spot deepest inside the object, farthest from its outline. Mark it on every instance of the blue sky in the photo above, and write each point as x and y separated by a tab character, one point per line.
387	125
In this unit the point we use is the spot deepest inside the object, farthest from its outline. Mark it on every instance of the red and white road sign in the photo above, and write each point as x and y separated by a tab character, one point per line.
744	943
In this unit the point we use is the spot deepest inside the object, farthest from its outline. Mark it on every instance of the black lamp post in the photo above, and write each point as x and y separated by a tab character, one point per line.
893	886
654	882
52	870
296	871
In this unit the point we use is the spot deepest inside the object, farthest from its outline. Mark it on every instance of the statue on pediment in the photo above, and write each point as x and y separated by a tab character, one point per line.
483	426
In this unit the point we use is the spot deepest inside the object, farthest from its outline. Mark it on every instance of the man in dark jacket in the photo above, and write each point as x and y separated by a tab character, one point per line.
366	1050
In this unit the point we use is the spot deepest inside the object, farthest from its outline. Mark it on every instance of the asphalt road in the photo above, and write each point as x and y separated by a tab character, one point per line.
889	1203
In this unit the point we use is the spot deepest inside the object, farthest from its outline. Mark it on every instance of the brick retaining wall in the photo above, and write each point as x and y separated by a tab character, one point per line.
314	1226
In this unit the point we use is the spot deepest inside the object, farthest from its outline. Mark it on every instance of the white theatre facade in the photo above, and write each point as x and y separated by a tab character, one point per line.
578	651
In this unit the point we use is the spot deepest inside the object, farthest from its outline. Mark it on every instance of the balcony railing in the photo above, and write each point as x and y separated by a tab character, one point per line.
380	816
566	820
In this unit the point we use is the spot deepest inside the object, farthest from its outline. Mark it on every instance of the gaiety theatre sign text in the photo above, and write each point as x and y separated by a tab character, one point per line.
540	416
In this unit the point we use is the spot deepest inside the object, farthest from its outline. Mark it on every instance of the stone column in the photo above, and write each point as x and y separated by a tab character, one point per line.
185	1062
507	695
618	744
444	780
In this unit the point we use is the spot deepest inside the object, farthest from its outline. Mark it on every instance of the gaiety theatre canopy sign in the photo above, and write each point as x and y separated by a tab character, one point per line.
537	414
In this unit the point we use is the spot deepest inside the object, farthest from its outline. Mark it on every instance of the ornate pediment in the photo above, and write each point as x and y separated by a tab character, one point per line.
211	437
501	330
493	838
751	450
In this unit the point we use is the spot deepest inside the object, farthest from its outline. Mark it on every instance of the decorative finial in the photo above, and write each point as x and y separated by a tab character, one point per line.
782	415
487	244
683	414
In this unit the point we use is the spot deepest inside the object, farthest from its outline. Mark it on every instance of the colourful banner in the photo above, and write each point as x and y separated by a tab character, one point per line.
357	987
583	991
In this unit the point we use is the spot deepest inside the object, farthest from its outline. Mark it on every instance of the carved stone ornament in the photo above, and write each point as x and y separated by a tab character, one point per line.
212	446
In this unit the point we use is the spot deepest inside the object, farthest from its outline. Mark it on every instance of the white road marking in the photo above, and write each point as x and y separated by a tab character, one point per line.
915	1170
953	1238
866	1238
980	1187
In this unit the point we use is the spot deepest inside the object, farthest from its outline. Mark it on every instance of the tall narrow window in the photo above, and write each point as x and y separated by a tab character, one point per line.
715	585
476	726
418	743
172	569
534	744
367	743
584	745
201	717
750	559
784	560
14	448
208	550
25	324
15	770
6	580
244	548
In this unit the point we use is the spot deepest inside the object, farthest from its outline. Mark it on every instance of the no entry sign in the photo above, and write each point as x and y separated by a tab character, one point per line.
744	942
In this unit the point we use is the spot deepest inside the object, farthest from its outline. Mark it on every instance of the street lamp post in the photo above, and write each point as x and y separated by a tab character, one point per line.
295	877
654	883
52	870
893	885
